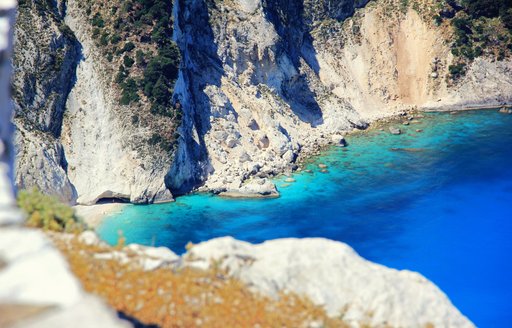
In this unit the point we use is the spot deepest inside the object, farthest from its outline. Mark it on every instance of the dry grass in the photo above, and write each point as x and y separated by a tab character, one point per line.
186	298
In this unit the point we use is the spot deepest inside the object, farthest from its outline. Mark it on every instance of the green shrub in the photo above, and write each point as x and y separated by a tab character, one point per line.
115	39
128	46
128	62
97	20
48	213
139	57
129	94
95	32
104	39
121	75
457	70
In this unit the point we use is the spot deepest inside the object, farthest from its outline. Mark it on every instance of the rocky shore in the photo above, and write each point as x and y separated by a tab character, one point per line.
262	86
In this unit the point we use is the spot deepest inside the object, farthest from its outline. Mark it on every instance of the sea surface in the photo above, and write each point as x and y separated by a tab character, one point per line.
438	202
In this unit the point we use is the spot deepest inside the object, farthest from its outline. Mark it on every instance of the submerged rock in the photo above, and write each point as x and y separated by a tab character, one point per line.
395	131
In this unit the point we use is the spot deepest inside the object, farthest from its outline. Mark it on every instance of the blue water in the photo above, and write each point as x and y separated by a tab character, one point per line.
440	204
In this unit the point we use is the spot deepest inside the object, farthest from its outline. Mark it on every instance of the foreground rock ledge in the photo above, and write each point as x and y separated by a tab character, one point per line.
333	275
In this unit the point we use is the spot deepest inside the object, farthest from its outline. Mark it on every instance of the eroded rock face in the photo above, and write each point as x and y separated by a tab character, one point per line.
74	139
266	81
331	274
45	61
251	96
261	82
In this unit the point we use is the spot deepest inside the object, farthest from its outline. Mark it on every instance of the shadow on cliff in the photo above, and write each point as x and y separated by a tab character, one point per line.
296	43
201	67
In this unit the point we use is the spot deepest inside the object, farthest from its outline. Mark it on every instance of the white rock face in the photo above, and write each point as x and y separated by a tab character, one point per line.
331	274
275	81
39	164
98	137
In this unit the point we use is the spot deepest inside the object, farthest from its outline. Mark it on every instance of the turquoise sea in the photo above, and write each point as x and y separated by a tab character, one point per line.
438	202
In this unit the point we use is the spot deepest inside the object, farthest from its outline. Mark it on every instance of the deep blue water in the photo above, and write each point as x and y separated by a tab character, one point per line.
441	205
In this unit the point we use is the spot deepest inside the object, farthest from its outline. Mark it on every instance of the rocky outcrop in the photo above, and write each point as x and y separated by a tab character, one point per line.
331	274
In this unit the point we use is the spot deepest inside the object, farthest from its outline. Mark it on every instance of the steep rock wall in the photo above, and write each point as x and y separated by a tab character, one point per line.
266	81
45	61
74	140
261	83
252	102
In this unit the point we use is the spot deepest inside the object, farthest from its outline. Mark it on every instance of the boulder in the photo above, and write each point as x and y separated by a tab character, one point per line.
89	238
254	188
395	131
333	275
339	140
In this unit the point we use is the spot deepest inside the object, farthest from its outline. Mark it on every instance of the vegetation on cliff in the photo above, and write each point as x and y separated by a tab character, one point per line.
480	28
42	82
135	37
48	213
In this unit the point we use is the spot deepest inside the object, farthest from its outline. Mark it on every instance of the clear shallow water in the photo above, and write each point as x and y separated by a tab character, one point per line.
441	205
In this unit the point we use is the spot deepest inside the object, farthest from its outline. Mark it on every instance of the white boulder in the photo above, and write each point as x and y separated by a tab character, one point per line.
333	275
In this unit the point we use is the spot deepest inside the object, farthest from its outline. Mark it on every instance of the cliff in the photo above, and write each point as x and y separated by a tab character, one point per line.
76	139
256	84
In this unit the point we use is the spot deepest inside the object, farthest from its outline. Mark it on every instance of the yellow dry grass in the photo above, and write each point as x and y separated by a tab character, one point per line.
186	298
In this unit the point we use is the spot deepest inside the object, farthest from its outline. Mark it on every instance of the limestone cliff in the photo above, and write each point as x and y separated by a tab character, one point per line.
265	81
74	138
260	83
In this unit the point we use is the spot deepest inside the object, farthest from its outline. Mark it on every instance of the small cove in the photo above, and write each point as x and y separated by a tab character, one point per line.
438	202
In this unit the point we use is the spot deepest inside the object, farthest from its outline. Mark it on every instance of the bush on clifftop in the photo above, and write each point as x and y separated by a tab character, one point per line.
48	213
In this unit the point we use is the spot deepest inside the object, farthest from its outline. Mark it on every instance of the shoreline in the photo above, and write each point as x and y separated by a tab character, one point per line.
94	215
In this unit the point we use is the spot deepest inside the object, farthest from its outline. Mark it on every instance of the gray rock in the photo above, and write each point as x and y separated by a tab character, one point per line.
244	157
231	143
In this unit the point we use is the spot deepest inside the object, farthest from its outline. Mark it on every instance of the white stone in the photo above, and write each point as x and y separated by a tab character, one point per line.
89	238
333	275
